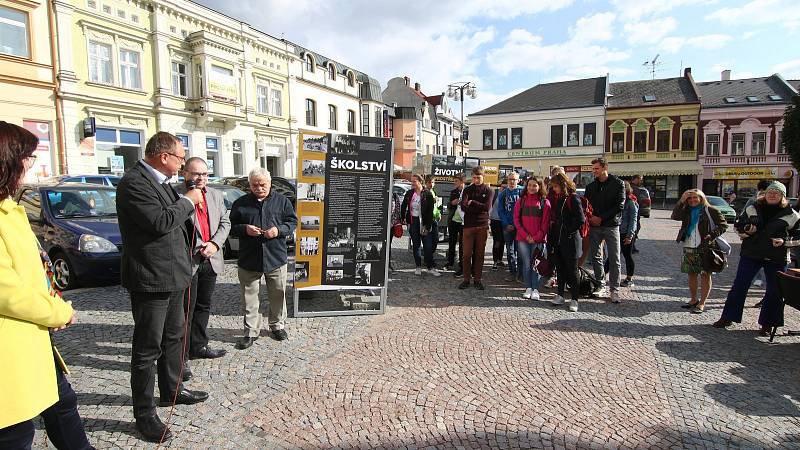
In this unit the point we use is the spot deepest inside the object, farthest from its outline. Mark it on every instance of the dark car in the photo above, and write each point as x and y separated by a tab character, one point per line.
105	180
229	195
77	226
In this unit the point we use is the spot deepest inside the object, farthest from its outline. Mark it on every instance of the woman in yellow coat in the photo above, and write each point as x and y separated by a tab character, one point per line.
32	380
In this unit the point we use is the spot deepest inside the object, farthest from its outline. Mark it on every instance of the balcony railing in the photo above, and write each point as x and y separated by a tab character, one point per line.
653	156
725	160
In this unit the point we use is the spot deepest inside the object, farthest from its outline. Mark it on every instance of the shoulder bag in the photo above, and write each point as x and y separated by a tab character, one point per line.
713	258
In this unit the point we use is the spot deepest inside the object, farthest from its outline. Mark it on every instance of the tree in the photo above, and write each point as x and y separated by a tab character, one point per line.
791	131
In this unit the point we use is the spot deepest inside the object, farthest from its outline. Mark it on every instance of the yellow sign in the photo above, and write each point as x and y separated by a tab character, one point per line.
744	173
491	174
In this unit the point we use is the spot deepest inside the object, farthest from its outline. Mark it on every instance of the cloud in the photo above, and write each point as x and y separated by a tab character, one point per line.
789	69
675	44
594	28
760	12
636	9
649	32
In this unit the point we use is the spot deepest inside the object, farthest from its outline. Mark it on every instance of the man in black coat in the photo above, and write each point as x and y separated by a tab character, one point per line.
156	269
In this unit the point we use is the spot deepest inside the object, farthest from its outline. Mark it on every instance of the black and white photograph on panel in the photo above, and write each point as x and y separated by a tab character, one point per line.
336	261
313	143
369	250
309	222
341	237
313	168
301	271
363	274
334	275
309	246
345	145
313	192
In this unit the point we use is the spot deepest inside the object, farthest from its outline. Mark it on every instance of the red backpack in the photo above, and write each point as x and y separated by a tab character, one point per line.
587	211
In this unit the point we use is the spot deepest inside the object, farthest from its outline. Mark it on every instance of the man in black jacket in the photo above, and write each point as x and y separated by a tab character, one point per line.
606	194
455	224
156	269
262	220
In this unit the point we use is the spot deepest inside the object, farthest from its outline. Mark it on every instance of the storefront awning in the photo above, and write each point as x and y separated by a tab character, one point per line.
656	168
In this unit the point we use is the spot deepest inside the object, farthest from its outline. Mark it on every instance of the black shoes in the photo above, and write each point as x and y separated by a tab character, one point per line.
722	323
479	285
185	397
458	273
246	342
187	371
280	335
464	284
152	429
208	353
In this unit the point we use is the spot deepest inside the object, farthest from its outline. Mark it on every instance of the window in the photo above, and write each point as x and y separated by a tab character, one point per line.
184	140
730	100
14	32
277	102
129	69
759	145
100	63
781	145
332	71
184	33
752	99
365	120
134	18
117	142
649	98
31	201
91	4
212	156
639	141
589	132
179	80
775	97
488	139
573	135
351	79
311	112
351	121
378	122
121	13
172	29
261	99
107	9
662	141
238	159
309	63
687	139
618	143
332	117
516	138
712	145
502	138
737	144
557	136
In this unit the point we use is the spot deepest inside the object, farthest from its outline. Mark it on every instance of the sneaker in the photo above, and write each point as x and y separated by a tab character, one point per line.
535	295
495	267
464	284
601	292
758	283
626	283
434	272
458	273
573	306
418	271
614	296
528	293
448	267
479	285
557	300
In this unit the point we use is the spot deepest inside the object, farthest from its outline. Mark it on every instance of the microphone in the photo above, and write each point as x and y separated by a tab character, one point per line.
190	184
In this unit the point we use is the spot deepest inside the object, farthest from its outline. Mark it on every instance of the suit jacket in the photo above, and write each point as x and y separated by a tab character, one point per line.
27	310
155	241
219	225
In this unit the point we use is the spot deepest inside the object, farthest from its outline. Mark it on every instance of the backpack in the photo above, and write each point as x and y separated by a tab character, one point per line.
587	283
587	211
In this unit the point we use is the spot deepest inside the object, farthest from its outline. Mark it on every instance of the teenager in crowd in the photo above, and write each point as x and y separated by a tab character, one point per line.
564	236
476	202
417	211
498	243
531	222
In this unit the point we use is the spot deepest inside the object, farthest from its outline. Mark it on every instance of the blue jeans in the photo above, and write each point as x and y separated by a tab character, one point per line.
772	309
525	251
421	243
510	238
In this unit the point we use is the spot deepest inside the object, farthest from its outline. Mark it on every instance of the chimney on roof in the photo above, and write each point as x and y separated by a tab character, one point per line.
687	72
416	87
408	80
726	75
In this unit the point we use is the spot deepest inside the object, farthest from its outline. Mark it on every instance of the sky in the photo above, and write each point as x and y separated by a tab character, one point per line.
507	46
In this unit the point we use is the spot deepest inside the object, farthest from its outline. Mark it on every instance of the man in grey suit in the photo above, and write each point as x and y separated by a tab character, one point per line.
210	226
156	269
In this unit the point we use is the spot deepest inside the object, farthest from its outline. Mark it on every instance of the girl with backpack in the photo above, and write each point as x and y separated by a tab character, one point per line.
417	211
565	238
531	220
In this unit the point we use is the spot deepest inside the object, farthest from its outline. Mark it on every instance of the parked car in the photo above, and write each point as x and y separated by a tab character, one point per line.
76	224
727	211
739	203
229	195
104	180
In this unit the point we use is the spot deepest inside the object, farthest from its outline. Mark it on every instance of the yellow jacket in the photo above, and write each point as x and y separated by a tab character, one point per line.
27	310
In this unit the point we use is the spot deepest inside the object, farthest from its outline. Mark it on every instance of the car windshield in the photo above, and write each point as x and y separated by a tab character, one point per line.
96	202
717	201
229	195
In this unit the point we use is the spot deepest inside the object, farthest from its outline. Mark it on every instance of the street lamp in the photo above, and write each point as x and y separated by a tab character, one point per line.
457	91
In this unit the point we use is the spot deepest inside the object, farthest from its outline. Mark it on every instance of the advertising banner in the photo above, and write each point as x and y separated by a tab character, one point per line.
44	164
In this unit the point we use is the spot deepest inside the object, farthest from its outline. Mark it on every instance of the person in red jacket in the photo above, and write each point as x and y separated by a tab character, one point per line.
475	202
531	221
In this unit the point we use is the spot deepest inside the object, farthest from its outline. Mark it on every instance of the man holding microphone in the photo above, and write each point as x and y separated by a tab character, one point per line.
156	269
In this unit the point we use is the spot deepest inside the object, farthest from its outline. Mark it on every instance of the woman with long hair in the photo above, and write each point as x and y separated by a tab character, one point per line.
33	381
767	229
627	233
700	223
565	238
417	211
531	221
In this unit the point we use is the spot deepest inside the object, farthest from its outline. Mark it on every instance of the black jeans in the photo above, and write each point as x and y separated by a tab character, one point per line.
199	308
498	243
62	422
454	232
629	264
157	336
567	269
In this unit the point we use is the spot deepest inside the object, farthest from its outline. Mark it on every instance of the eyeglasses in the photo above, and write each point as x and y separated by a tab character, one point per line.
180	158
199	174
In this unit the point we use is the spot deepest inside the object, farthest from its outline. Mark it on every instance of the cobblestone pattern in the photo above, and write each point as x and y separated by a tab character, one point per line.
466	369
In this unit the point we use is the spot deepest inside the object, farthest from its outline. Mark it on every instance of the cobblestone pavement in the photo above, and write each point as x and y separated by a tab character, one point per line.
445	368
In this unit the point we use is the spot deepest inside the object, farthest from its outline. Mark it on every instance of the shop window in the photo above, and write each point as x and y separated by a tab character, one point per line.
589	132
516	138
117	142
662	141
573	135
557	136
737	144
712	145
488	138
687	139
759	144
617	142
640	141
502	138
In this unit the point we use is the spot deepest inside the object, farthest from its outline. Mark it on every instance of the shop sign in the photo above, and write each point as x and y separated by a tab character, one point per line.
744	173
572	169
537	153
41	130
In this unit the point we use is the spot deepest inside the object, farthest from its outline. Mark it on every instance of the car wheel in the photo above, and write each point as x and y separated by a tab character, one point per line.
63	272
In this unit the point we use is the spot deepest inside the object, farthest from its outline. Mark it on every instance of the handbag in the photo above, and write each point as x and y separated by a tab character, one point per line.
540	263
722	244
397	230
713	259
